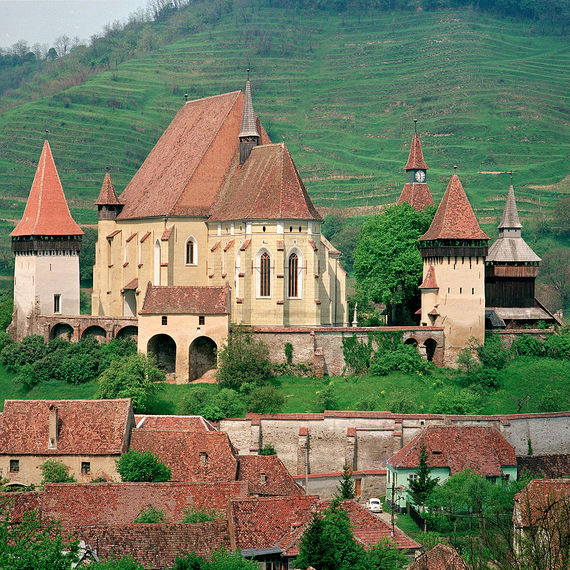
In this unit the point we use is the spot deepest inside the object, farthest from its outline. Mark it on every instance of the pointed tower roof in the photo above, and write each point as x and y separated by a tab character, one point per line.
107	196
46	213
430	281
416	159
510	218
248	124
454	218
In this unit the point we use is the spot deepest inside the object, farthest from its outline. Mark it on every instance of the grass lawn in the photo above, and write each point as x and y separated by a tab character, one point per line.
519	382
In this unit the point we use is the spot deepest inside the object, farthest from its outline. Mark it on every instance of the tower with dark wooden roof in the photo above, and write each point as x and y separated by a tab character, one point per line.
46	243
416	192
453	289
511	268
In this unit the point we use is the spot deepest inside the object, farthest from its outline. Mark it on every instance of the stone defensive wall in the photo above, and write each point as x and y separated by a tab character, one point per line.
322	443
75	327
322	347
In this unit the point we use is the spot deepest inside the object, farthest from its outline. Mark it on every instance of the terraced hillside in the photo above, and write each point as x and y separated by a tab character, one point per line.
342	90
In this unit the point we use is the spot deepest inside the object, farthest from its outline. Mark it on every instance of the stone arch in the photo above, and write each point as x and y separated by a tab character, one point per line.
99	333
163	348
202	357
130	331
411	341
431	345
61	330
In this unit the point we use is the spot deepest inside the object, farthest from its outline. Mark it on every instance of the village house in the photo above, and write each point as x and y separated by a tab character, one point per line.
450	450
440	557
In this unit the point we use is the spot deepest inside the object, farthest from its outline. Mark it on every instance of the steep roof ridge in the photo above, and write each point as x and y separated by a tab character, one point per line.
416	157
212	140
65	225
510	218
248	122
261	188
107	195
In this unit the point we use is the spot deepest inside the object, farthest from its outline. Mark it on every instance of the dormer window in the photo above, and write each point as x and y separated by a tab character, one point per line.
263	478
203	459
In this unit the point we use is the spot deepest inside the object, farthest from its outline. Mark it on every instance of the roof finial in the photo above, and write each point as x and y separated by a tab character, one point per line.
248	73
455	169
107	168
47	133
511	174
416	126
186	97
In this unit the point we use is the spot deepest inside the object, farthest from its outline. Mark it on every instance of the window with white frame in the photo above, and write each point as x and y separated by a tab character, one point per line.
157	262
295	274
191	251
264	273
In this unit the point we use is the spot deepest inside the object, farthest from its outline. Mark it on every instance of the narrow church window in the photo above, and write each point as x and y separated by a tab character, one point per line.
290	228
263	228
14	465
293	275
57	303
191	252
203	459
472	290
85	467
201	320
460	290
164	320
265	275
300	229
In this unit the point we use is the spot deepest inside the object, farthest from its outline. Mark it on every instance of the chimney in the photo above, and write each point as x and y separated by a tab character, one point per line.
53	420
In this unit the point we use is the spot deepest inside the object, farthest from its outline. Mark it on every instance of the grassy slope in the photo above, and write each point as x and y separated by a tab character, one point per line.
341	90
519	379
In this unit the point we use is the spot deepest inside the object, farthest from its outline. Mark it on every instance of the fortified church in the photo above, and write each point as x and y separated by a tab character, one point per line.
217	229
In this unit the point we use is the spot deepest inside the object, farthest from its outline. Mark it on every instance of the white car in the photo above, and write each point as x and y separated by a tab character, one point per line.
374	505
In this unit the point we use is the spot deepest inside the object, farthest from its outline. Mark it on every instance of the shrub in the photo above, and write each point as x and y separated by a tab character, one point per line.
31	349
226	403
289	352
357	354
400	402
135	378
54	471
243	359
124	563
551	401
492	353
194	515
527	345
193	402
403	359
326	399
488	378
558	345
455	401
267	449
220	560
265	400
150	514
142	466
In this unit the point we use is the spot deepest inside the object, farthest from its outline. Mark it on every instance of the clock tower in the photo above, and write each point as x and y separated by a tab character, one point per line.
416	192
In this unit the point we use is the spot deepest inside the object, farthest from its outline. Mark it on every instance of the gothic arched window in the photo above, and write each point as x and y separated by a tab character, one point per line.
293	275
265	275
191	253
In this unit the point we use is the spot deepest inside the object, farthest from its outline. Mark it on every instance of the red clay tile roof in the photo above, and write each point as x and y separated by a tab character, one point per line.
166	233
541	500
416	195
430	281
86	427
549	466
245	245
132	285
440	557
267	186
416	157
46	212
182	300
454	218
120	503
181	451
107	196
186	423
482	449
253	468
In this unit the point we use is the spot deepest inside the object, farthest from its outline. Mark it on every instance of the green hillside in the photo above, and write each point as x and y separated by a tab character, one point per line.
341	89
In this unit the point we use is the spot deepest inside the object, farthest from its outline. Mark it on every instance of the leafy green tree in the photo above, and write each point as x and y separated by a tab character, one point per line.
220	560
558	345
6	310
54	471
453	400
124	563
328	543
492	354
385	556
527	345
135	377
326	399
150	514
243	360
265	400
423	486
31	349
142	466
387	261
346	489
35	545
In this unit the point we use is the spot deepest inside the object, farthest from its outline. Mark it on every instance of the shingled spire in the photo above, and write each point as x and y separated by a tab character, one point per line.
416	192
108	204
249	135
46	212
510	218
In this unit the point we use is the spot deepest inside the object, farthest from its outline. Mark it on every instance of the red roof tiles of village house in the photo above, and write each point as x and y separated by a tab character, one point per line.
85	427
191	300
267	476
120	503
549	466
416	157
541	500
416	195
107	196
482	449
46	212
454	218
440	557
185	423
182	452
267	186
430	281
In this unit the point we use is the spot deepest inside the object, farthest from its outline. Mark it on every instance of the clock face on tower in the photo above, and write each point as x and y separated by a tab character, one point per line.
420	176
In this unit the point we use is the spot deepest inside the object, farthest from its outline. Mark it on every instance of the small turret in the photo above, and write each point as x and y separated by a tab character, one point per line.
249	135
108	205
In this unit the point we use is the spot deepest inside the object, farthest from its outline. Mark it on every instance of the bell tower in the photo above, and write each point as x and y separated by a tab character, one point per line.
46	243
249	135
453	289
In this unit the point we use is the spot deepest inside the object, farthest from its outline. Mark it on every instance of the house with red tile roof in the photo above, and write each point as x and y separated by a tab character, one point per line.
541	519
216	227
46	243
451	449
440	557
87	436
